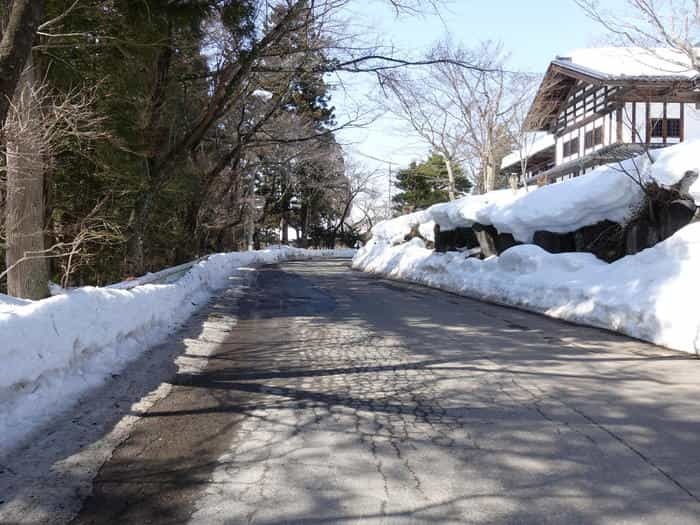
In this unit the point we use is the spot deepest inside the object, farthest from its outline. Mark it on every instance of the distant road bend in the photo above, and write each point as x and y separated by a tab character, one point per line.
337	397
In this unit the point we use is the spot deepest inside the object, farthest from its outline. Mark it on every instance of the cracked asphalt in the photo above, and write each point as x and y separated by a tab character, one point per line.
331	396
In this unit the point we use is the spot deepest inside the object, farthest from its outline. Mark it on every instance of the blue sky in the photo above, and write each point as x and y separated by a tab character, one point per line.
532	31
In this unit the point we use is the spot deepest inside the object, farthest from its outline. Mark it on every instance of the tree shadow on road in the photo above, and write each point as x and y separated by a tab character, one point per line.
374	401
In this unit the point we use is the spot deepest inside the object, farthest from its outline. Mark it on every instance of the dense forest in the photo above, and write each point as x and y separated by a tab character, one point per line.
139	134
142	134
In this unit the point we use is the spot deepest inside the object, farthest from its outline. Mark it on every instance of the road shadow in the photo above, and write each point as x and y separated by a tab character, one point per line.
532	392
528	419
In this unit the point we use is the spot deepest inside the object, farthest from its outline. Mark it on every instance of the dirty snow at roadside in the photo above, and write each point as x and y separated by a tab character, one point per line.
56	348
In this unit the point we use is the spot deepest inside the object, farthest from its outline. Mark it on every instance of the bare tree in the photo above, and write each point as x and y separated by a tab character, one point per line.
668	29
529	115
418	102
370	206
357	183
483	100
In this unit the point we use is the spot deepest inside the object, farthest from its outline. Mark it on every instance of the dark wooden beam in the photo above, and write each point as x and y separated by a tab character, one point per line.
664	124
648	108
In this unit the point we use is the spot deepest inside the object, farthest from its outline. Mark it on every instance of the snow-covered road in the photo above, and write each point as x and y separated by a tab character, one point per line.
335	397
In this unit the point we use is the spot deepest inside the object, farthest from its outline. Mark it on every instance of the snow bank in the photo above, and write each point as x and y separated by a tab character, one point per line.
653	295
606	193
54	349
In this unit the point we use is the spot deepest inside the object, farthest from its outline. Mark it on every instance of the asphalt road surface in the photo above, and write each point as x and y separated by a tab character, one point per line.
334	397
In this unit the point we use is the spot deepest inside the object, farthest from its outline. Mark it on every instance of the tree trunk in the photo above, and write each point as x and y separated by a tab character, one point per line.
16	46
451	188
490	174
135	262
25	205
135	258
284	227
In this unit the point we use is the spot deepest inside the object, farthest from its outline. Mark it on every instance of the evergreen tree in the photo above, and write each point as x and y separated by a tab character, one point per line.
422	185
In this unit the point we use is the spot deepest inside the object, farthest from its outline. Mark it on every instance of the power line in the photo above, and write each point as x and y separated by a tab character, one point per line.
383	161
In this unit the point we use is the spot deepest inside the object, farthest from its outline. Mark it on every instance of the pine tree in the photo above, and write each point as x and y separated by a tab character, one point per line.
425	184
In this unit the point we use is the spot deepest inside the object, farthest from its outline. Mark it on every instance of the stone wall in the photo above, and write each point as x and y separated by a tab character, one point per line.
665	211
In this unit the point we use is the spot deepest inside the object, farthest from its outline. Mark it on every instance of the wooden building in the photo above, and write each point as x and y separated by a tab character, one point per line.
605	104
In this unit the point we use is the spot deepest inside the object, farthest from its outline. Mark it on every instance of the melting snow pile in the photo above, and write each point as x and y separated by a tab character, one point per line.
653	295
55	349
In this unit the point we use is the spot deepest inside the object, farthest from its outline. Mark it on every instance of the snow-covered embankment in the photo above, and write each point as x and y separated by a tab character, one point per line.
55	349
653	295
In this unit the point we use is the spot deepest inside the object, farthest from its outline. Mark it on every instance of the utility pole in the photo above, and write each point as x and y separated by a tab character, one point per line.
252	211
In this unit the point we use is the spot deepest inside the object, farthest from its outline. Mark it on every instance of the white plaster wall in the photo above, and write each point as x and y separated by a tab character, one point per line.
691	129
641	123
559	150
627	122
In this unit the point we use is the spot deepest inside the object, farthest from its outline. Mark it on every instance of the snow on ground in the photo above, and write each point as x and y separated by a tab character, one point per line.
653	295
56	348
608	192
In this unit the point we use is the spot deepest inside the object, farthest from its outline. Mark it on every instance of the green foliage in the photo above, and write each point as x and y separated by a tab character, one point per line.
116	64
148	71
422	185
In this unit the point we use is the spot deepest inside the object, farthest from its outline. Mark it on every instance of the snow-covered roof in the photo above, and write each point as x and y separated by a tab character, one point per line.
629	62
613	66
533	142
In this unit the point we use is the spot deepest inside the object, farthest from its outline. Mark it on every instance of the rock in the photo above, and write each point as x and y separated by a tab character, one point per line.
490	241
683	185
444	240
554	242
415	234
505	241
458	239
465	238
486	236
605	240
673	217
440	244
639	236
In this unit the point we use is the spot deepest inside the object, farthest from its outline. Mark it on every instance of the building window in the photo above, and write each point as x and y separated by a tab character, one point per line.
571	147
593	137
598	136
657	127
673	127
